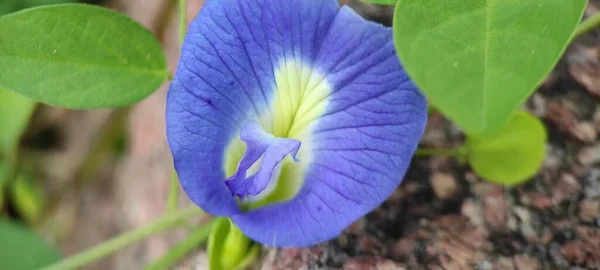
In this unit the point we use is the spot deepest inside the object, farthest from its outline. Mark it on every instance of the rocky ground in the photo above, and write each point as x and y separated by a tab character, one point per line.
441	217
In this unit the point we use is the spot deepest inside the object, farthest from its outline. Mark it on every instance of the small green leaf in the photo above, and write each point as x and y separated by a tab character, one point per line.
15	113
382	2
513	154
21	249
477	61
79	56
27	197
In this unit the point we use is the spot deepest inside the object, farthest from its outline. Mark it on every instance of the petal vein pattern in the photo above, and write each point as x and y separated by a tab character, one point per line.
292	117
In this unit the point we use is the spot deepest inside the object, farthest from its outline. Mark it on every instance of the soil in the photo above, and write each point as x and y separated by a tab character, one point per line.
441	217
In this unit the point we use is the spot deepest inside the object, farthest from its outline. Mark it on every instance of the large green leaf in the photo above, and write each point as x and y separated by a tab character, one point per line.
478	60
21	249
79	56
513	154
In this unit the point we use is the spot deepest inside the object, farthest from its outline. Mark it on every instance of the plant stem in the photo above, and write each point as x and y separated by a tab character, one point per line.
173	193
106	248
174	187
182	20
425	152
192	241
588	25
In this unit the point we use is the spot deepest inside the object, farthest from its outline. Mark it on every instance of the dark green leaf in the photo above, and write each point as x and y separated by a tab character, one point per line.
8	6
512	155
79	56
477	61
21	249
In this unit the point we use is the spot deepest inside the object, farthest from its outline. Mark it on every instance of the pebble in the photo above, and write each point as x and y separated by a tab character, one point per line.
589	210
444	185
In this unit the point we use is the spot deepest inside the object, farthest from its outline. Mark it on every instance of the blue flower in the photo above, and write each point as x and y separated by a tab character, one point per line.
292	117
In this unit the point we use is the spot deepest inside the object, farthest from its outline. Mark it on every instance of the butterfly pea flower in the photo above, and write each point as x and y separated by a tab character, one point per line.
294	118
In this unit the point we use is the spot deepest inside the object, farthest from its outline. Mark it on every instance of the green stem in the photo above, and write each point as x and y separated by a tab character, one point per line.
588	25
174	187
173	193
182	20
106	248
426	152
191	242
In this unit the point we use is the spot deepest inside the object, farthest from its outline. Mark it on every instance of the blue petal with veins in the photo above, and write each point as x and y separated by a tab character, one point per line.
292	117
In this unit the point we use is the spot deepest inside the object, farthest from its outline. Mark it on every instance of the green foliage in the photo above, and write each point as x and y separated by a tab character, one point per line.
229	248
477	61
79	56
27	197
382	2
511	155
3	168
15	112
8	6
21	249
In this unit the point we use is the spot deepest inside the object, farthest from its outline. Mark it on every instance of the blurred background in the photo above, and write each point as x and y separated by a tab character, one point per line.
84	176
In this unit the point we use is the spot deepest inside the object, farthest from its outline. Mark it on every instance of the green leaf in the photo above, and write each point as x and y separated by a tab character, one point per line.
79	56
382	2
513	154
8	6
21	249
27	197
15	113
477	61
3	168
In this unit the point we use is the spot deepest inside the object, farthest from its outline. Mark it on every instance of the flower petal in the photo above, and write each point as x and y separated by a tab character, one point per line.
226	74
362	144
260	143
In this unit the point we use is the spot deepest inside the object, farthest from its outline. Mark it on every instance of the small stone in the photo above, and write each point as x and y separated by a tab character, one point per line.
402	248
473	212
573	252
589	210
495	209
596	119
504	263
525	217
586	132
567	188
526	262
363	263
444	185
589	155
560	115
